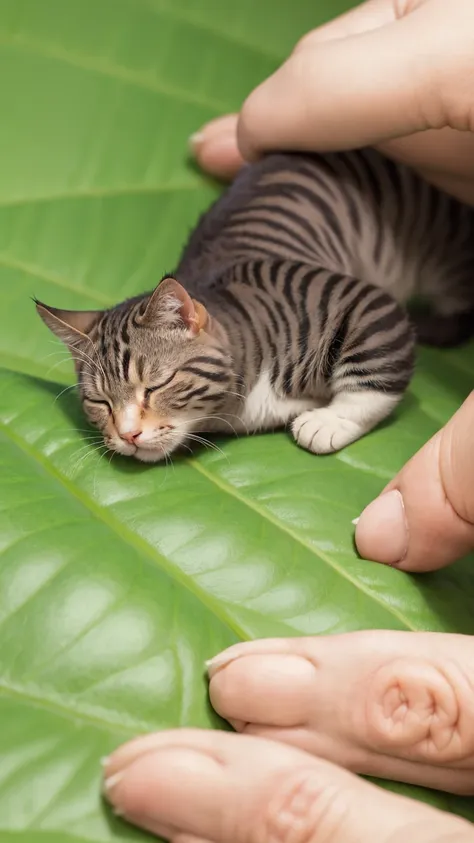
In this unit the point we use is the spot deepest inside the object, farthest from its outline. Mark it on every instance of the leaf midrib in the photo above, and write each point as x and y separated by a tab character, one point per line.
221	35
123	532
10	262
104	192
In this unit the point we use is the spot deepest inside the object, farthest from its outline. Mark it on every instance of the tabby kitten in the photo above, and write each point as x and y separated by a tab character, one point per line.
285	308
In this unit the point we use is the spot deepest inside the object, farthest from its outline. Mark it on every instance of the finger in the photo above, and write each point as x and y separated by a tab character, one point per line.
424	519
388	704
275	690
366	17
215	147
223	787
443	157
188	838
266	646
344	93
436	152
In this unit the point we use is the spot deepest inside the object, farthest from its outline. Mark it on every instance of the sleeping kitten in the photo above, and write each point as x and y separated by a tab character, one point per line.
285	309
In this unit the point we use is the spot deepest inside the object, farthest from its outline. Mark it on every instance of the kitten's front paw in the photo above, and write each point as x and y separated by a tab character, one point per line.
324	431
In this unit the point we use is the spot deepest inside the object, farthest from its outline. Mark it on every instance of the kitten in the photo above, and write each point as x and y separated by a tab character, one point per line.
286	308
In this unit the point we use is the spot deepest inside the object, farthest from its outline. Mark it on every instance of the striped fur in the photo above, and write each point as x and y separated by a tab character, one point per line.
289	309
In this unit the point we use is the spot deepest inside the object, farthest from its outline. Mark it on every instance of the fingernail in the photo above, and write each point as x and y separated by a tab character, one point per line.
382	531
104	761
213	665
223	659
110	784
195	141
355	521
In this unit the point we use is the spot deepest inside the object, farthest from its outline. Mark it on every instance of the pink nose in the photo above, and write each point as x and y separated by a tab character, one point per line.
130	437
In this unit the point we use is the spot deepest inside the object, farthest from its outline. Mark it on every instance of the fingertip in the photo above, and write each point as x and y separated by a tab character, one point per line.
227	124
214	146
432	489
219	157
266	646
382	530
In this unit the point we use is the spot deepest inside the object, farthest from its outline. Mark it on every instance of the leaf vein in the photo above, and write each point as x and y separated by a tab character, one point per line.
106	68
269	517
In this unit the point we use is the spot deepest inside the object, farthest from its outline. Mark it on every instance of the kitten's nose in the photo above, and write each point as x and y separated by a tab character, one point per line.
130	437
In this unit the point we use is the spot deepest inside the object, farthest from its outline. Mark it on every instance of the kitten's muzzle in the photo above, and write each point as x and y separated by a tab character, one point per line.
133	436
130	437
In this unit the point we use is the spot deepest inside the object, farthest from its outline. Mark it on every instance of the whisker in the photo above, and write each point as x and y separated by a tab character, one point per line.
220	418
77	458
93	441
64	355
207	444
88	446
97	364
237	394
97	468
53	367
212	418
90	452
76	430
63	391
168	464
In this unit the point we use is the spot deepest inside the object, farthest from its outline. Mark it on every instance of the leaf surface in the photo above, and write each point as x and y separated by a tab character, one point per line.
117	580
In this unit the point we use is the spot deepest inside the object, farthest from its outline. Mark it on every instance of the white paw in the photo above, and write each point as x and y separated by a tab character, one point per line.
324	431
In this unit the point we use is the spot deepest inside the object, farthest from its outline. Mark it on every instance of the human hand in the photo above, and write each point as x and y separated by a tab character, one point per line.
192	786
396	74
396	705
424	518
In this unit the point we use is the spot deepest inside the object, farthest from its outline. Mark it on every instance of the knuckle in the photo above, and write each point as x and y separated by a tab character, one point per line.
301	66
415	708
306	40
457	462
446	86
303	808
249	127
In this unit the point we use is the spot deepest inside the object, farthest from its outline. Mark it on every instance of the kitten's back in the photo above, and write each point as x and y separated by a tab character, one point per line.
354	212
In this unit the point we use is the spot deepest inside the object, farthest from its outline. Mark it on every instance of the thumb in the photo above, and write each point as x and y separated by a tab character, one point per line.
346	92
424	519
198	786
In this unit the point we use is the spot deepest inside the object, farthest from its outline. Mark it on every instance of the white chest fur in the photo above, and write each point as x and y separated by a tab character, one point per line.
263	408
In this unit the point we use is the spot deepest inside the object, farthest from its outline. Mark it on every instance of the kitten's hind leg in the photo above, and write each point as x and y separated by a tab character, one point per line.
348	417
366	359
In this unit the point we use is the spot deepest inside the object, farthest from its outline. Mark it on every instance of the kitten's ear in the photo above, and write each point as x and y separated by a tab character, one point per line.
170	302
71	326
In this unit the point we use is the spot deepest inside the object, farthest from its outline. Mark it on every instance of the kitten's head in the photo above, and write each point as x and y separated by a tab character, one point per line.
150	370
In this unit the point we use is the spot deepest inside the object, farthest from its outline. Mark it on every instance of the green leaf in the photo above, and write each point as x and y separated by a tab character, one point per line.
118	580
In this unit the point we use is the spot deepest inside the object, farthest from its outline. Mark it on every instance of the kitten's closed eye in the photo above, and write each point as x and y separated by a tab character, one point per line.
150	389
101	402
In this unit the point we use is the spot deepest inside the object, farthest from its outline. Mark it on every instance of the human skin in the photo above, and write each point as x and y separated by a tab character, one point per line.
388	704
395	74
